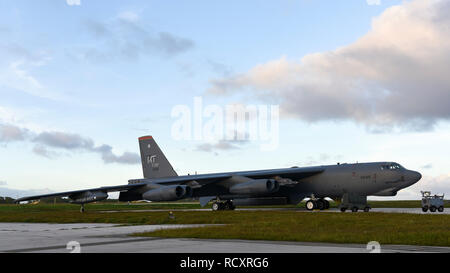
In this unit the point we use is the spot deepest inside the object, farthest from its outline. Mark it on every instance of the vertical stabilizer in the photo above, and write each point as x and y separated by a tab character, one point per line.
154	163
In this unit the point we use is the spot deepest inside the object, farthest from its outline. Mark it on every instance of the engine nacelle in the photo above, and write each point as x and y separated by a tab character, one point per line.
168	193
255	187
88	197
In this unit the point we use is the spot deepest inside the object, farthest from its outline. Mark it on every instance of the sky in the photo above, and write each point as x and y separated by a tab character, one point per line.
354	81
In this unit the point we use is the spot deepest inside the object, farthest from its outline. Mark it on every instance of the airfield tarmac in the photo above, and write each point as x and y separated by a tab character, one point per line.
384	210
111	238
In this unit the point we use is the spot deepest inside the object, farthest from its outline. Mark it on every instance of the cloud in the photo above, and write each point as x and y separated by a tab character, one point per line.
15	193
109	157
219	68
221	145
17	70
76	142
436	184
127	37
44	152
3	183
73	2
129	16
63	141
9	133
373	2
320	159
396	75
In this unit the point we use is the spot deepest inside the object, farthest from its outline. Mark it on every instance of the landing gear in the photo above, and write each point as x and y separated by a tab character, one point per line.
223	205
82	208
320	204
215	206
229	205
310	205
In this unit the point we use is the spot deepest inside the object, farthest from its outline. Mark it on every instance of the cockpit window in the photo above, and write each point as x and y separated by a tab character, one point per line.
393	166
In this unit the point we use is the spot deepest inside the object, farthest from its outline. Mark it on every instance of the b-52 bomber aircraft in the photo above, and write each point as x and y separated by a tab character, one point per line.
348	183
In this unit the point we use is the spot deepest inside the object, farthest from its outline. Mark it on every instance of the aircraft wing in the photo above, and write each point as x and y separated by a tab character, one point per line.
294	174
284	176
71	193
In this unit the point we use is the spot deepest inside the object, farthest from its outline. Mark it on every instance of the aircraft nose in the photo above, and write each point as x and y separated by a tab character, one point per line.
415	176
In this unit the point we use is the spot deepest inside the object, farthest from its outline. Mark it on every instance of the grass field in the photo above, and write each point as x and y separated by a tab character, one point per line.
407	229
395	228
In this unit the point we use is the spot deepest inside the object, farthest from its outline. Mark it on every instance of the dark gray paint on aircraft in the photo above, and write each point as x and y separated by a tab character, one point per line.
350	182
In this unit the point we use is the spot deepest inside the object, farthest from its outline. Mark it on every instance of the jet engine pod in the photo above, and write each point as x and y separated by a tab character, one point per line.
168	193
88	197
255	187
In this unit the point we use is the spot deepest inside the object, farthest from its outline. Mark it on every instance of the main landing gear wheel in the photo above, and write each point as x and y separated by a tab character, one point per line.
227	205
311	205
367	209
215	206
321	204
355	209
343	209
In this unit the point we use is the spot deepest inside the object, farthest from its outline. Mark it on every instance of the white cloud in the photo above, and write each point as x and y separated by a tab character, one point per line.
73	2
395	75
373	2
436	184
127	37
10	133
63	141
129	16
18	66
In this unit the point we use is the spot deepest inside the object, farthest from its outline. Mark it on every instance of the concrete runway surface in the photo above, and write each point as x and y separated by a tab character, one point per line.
110	238
385	210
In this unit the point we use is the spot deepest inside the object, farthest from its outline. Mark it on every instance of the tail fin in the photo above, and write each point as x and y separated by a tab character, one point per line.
154	163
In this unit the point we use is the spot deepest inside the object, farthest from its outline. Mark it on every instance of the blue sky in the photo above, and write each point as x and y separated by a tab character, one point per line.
108	72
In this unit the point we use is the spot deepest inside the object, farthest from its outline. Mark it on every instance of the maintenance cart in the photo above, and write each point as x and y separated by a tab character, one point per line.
432	202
